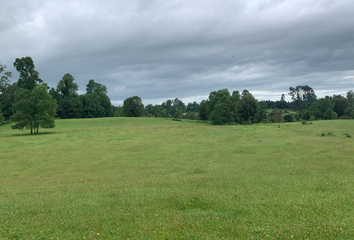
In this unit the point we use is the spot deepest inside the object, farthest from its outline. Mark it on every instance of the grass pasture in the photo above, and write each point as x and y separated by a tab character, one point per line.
146	178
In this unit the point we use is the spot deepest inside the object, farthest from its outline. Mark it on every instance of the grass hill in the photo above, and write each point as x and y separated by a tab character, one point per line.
147	178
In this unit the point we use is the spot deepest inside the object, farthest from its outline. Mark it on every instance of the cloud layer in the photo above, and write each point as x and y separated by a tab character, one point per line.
160	49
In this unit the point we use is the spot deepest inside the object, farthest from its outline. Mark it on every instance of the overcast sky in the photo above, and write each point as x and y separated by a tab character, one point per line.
160	50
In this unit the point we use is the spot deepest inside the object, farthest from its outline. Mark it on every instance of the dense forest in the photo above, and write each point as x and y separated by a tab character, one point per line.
30	103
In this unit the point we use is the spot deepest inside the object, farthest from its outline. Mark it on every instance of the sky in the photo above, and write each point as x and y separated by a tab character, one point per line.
160	50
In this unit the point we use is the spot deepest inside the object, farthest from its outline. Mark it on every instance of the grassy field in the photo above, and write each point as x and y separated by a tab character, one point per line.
146	178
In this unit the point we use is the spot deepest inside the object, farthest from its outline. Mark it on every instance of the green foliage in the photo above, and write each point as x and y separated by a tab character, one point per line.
4	78
29	77
93	87
2	118
349	112
302	94
289	118
133	107
70	107
203	111
66	86
34	109
350	98
220	114
347	135
340	105
247	107
334	115
275	116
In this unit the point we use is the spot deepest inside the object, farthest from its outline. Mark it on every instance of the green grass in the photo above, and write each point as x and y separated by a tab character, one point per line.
146	178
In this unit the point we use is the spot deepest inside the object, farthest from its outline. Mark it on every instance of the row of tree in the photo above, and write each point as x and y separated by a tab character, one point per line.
29	103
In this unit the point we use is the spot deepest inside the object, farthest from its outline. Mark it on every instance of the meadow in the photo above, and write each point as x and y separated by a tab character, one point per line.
147	178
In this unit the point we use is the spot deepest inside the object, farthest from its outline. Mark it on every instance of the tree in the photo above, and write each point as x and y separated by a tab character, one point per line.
34	109
215	97
66	86
100	95
93	87
247	107
275	116
350	98
133	107
69	107
7	99
4	85
4	79
2	119
220	114
29	77
302	94
203	110
340	104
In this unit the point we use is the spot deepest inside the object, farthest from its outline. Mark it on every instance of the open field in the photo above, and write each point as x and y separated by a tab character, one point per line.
146	178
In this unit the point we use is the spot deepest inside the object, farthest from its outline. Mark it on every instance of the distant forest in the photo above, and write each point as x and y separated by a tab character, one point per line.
221	107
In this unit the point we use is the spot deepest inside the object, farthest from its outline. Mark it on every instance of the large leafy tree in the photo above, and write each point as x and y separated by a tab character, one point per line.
221	114
133	107
29	77
69	105
34	109
301	94
247	107
98	92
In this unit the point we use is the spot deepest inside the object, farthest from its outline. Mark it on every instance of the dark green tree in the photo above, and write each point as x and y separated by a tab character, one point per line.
29	77
350	98
69	107
133	107
340	104
34	109
203	111
7	99
220	114
2	119
93	87
66	86
247	107
4	78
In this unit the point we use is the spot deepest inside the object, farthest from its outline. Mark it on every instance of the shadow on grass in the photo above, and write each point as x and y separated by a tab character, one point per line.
29	134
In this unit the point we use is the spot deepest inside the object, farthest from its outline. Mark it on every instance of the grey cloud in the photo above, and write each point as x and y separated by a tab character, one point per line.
165	49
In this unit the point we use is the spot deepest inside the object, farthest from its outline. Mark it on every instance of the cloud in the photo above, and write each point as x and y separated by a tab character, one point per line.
159	49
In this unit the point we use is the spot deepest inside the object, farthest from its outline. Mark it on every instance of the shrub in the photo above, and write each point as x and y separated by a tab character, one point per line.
347	135
334	115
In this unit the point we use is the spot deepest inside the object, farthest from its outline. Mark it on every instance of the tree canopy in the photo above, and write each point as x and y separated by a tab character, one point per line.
29	77
133	107
34	109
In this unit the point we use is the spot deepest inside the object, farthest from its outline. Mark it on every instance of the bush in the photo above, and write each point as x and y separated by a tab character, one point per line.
347	135
334	115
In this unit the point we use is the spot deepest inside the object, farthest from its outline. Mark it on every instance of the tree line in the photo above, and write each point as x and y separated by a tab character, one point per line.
31	104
